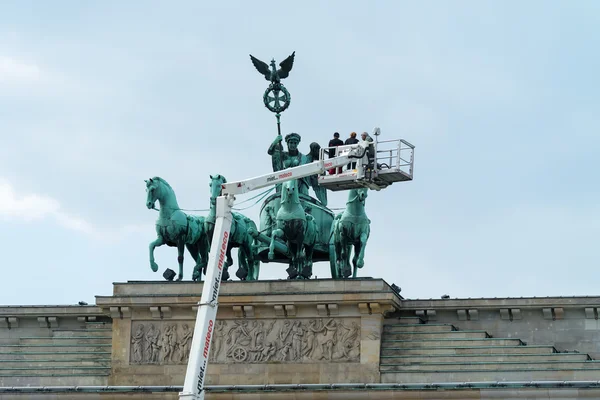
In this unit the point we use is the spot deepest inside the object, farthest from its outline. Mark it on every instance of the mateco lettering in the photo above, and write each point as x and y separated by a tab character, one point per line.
217	281
205	354
223	250
201	377
207	339
285	175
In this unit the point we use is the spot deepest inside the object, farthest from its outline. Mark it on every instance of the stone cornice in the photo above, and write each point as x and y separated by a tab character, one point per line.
497	303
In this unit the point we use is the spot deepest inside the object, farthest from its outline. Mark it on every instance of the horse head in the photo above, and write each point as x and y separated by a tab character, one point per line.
215	185
290	192
359	195
159	190
362	194
153	192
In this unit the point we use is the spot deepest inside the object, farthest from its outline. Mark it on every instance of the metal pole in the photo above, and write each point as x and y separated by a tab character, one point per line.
193	387
278	123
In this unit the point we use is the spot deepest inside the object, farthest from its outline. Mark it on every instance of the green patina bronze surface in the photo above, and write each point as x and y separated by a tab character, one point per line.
281	159
295	228
176	228
276	98
351	229
239	236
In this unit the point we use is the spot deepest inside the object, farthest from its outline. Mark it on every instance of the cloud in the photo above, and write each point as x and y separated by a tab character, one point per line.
32	207
13	70
35	207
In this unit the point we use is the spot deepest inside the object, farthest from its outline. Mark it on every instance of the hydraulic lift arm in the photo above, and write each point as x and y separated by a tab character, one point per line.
193	387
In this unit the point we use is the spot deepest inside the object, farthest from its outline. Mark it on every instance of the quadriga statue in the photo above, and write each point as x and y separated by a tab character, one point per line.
239	236
350	229
176	228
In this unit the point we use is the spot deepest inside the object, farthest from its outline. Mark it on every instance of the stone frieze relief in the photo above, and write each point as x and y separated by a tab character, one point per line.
250	341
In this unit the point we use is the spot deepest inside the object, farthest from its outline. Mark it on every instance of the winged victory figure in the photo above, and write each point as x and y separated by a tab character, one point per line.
273	74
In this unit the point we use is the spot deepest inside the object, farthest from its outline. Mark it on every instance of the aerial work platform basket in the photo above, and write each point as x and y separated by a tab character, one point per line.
383	163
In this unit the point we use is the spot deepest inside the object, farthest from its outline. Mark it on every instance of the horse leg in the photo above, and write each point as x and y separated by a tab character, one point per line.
255	261
251	263
356	260
342	249
300	258
228	263
180	249
292	270
348	261
339	254
158	242
277	233
346	250
194	250
364	236
308	263
203	250
255	269
243	263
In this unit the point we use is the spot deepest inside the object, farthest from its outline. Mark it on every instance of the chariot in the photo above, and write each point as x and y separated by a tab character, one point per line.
294	227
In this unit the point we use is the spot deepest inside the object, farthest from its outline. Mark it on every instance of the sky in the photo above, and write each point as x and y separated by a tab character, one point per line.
500	99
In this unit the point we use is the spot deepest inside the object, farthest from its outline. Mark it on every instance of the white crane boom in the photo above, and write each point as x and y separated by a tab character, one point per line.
315	168
193	387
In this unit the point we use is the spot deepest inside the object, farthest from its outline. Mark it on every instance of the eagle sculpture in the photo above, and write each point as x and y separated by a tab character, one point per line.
273	74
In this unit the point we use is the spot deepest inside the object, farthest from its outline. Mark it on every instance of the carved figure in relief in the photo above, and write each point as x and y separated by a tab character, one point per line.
185	343
250	341
238	334
350	342
314	340
297	336
154	338
167	344
148	344
173	345
268	352
258	334
285	351
329	340
137	341
284	332
218	339
309	338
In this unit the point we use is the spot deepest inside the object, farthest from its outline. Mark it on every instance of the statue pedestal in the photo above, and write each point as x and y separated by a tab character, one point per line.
267	332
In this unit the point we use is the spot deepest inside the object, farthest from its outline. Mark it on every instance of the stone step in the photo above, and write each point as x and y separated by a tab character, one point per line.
410	344
68	370
418	328
54	347
476	375
433	351
82	332
435	335
56	379
463	358
56	355
85	340
492	366
66	362
409	320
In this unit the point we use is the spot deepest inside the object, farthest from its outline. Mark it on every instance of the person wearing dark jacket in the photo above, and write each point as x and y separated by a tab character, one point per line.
332	152
352	140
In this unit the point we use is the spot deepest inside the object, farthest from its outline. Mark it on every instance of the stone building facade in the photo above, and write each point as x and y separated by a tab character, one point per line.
303	339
